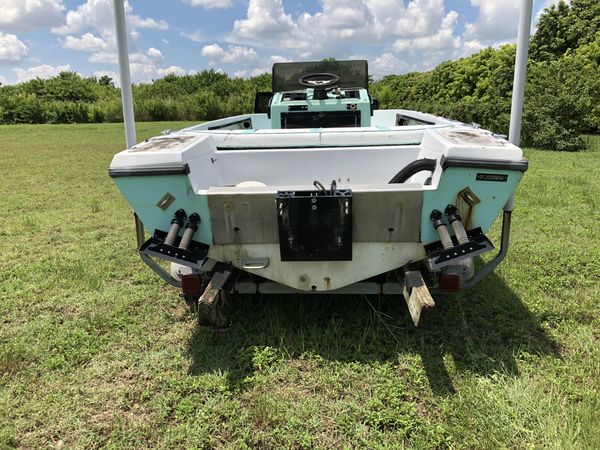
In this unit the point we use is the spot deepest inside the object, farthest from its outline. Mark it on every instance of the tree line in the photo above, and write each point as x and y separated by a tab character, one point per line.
562	91
562	98
70	98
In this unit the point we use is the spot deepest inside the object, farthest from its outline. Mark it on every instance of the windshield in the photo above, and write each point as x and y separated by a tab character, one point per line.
286	76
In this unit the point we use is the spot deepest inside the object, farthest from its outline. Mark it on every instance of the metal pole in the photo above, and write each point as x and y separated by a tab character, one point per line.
516	110
126	94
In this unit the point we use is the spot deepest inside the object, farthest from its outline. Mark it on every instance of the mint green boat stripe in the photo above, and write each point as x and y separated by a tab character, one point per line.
493	196
143	194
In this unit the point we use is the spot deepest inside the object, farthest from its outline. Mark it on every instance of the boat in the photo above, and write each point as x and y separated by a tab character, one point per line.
320	191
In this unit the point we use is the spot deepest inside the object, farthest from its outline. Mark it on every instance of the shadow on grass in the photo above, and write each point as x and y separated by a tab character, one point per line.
482	330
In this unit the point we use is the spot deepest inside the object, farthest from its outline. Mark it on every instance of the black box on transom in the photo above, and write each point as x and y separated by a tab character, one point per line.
315	225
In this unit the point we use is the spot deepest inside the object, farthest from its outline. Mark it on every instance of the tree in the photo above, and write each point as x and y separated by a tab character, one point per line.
563	27
105	80
68	86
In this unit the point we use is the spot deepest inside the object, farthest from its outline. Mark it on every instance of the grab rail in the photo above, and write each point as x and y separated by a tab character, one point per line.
413	168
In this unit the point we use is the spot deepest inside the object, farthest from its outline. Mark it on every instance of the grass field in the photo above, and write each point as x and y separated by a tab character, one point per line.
95	351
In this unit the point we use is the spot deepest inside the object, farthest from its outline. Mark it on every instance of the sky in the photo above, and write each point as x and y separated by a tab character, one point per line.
40	38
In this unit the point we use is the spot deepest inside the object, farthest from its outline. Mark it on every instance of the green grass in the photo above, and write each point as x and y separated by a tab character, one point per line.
95	351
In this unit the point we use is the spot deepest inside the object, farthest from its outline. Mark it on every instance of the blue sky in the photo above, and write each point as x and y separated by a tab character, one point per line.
245	37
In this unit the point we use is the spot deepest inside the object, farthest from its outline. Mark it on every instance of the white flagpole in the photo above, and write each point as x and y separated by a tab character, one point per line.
126	94
516	110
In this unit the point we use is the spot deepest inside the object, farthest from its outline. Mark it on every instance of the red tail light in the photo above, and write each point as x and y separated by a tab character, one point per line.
191	284
449	283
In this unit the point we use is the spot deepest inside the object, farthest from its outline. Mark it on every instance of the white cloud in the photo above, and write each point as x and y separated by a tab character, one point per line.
177	70
103	58
338	27
417	18
150	56
425	52
277	59
145	71
213	51
195	36
95	19
234	54
388	63
266	65
98	15
95	14
497	20
258	71
404	35
240	54
155	55
12	49
412	34
265	19
138	22
3	81
86	43
444	39
210	4
41	71
29	15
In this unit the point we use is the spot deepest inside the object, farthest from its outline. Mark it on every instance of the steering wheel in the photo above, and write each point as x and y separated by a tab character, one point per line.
320	81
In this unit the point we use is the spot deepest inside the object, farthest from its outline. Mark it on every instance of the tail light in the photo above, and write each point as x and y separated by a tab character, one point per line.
191	284
449	283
